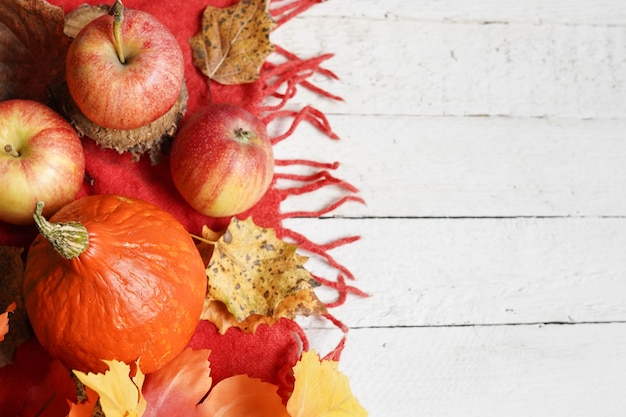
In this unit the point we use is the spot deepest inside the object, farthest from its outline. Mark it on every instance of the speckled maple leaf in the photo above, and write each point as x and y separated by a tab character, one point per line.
233	42
256	275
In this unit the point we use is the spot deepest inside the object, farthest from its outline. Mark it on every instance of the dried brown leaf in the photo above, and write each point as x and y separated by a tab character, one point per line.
233	42
78	18
11	278
32	48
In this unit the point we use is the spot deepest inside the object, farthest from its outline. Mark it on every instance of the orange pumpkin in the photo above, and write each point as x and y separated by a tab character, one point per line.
113	278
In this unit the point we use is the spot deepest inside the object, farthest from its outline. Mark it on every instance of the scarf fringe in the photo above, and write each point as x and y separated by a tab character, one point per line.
308	114
280	83
315	182
286	12
288	76
322	250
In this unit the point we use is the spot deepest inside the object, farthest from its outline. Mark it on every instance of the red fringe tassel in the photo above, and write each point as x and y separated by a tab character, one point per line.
281	82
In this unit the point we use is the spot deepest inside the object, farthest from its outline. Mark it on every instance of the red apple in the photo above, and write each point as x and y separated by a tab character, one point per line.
127	74
222	160
41	159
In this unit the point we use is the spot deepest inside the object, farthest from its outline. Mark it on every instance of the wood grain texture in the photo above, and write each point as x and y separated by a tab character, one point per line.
472	166
441	68
479	271
598	12
513	371
487	139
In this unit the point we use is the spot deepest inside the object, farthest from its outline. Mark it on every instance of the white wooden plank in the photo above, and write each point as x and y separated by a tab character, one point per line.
602	12
457	69
539	371
476	271
414	166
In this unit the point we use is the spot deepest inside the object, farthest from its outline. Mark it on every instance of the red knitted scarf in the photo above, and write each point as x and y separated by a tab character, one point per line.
271	351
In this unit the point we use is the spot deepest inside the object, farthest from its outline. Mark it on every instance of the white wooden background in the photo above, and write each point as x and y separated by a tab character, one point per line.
488	139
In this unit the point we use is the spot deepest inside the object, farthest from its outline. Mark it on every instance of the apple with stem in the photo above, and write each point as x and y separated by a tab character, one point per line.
41	159
125	69
221	160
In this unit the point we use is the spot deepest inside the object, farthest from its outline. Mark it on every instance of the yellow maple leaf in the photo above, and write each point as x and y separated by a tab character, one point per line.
120	394
320	389
233	42
253	272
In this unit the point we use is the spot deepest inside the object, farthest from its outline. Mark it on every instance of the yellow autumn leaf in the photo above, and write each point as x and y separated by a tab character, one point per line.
252	272
120	394
322	390
233	42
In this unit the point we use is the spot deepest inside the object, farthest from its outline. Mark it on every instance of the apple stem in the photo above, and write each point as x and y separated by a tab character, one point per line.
10	150
68	239
117	11
242	135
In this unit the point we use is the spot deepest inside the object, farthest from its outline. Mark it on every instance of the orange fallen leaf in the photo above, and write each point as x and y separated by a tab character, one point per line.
86	407
253	272
233	42
241	395
179	386
320	389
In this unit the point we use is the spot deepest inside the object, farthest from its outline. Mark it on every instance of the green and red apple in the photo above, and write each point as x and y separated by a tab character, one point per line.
125	69
222	161
41	159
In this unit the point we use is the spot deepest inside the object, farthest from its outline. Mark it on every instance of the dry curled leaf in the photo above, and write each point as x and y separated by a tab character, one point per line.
321	389
252	272
32	48
233	42
11	278
78	18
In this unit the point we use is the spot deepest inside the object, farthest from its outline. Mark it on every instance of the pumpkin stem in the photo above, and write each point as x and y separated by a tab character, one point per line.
69	239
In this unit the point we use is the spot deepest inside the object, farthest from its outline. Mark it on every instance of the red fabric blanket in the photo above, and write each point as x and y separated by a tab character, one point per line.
271	352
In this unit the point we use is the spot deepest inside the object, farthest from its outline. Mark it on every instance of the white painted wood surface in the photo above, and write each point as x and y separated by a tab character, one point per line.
488	140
